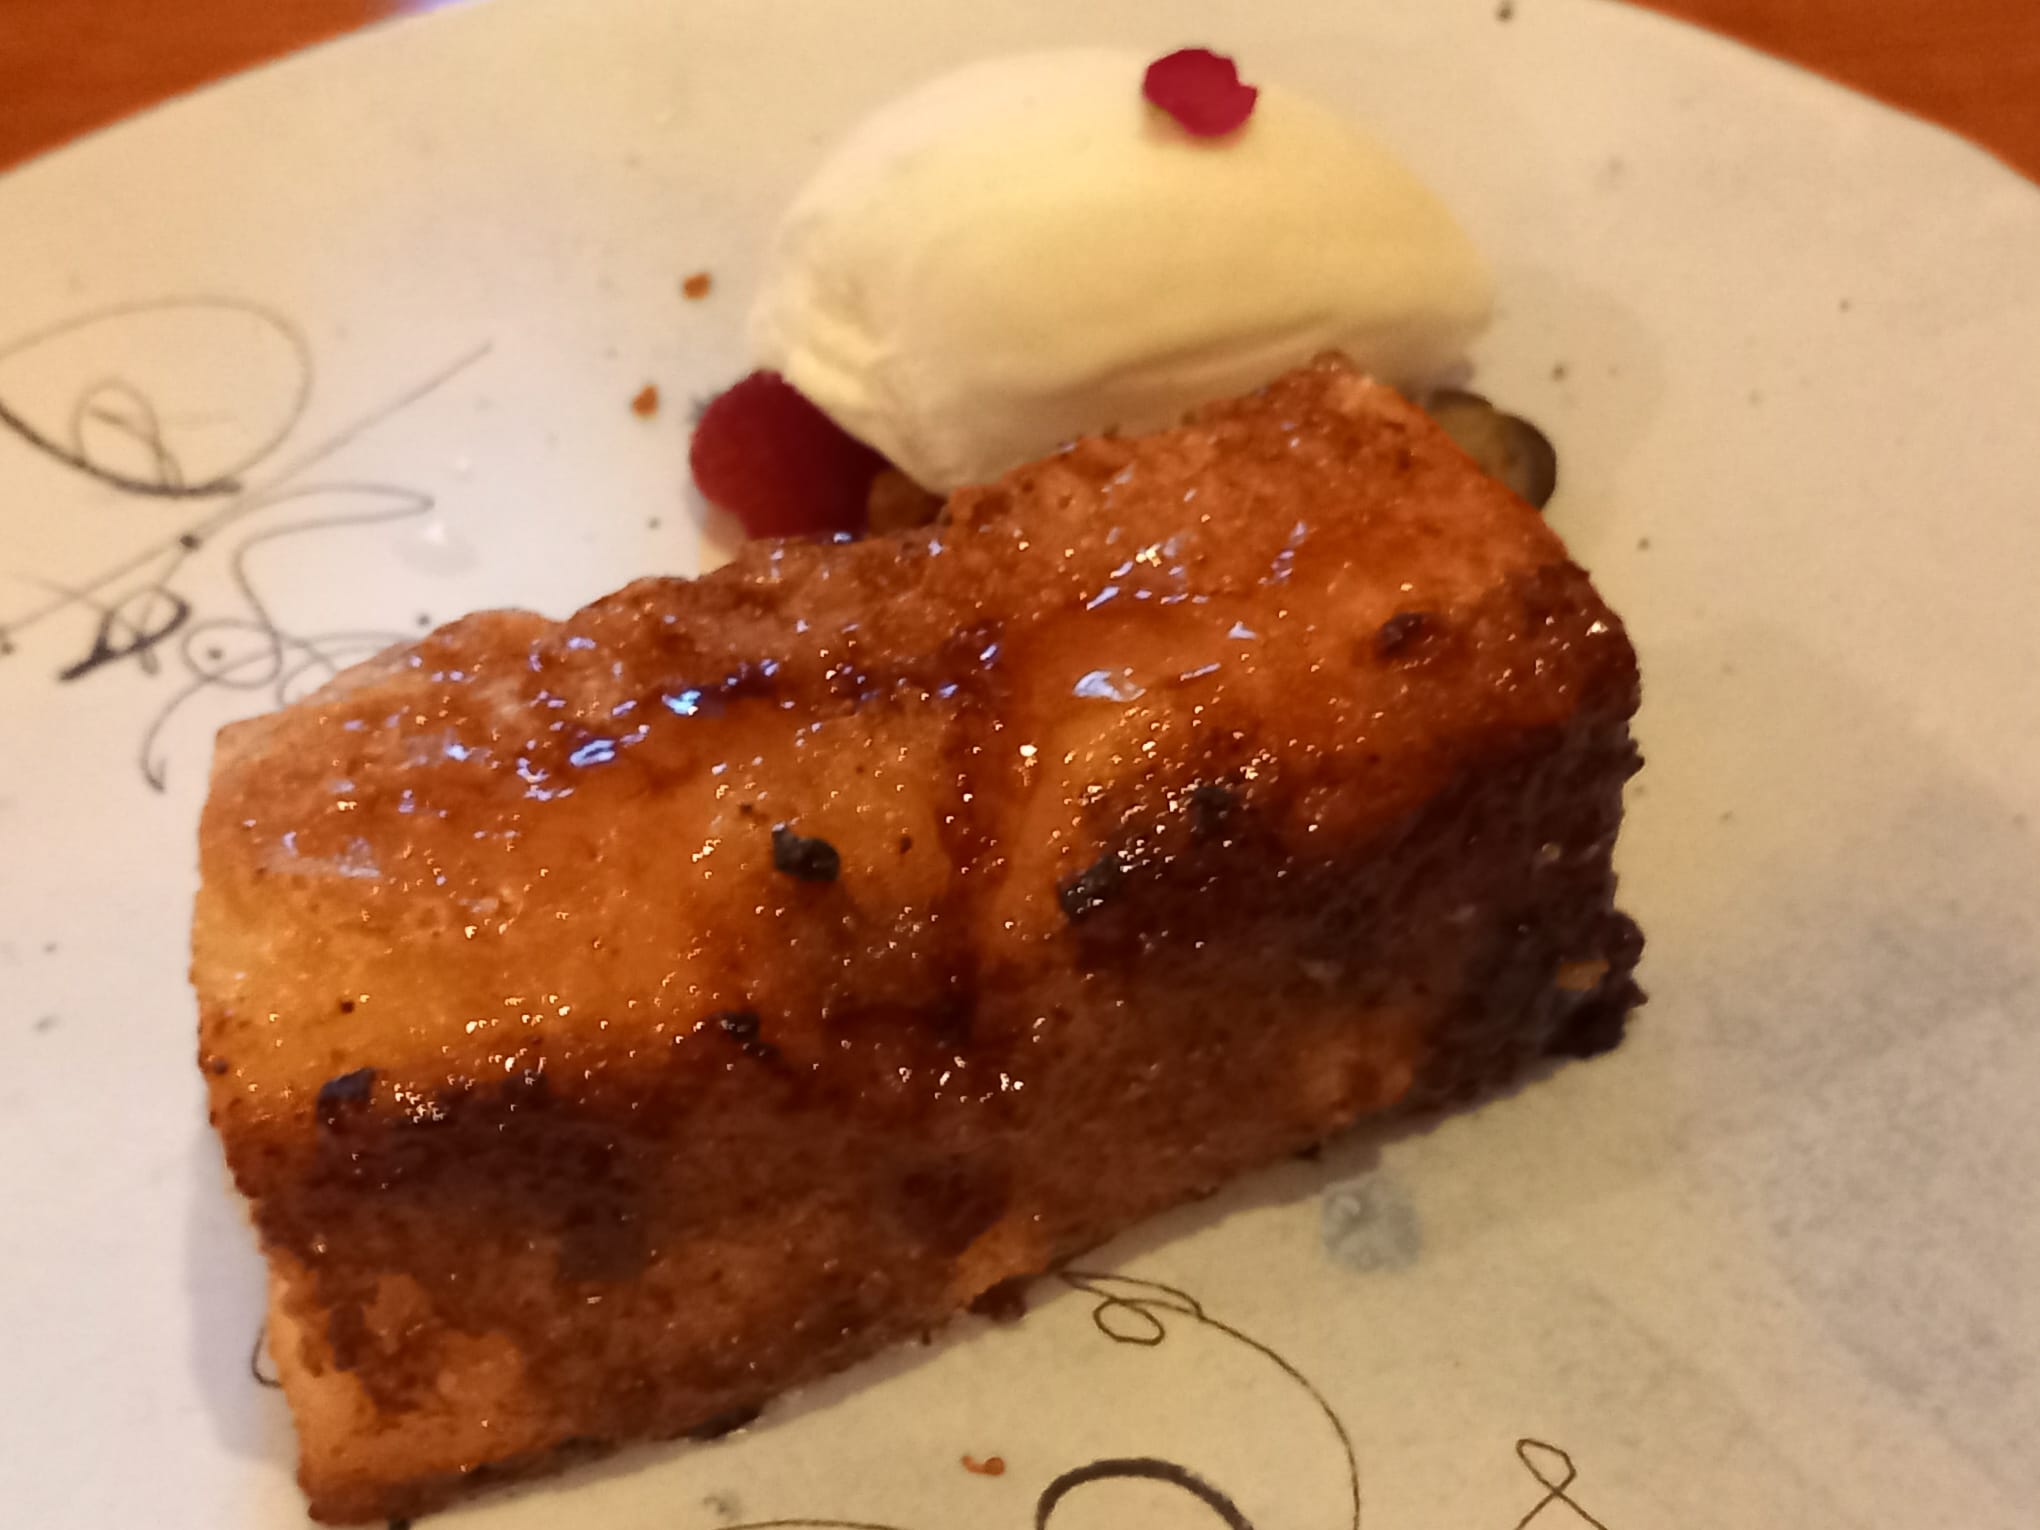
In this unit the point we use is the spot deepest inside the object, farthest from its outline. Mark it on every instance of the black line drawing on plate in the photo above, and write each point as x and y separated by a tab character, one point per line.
142	614
124	408
1544	1462
1131	1311
265	1377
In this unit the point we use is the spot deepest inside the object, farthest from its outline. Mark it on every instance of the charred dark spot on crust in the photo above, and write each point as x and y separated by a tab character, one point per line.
1402	631
1089	890
727	1422
1597	1026
217	1066
1005	1302
803	857
906	843
1210	806
741	1026
344	1092
346	1006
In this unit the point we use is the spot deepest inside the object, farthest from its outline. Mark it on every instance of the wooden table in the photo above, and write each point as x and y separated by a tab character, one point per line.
67	66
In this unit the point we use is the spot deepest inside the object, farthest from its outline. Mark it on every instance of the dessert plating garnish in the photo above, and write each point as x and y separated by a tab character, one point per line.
1202	90
778	464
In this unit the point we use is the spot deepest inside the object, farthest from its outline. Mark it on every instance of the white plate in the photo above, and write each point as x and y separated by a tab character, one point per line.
1775	1262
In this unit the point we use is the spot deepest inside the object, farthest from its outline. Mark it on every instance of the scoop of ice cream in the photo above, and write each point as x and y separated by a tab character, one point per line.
1025	251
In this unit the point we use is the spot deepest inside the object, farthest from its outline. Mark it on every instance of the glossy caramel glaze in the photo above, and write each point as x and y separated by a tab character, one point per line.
615	1021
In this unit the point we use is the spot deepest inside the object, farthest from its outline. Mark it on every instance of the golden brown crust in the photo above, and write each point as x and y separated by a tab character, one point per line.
616	1021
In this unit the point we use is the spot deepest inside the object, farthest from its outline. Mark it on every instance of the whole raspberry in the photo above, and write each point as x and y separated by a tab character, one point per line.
772	459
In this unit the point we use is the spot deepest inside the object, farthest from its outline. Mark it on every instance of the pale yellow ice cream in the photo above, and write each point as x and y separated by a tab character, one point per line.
1025	251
